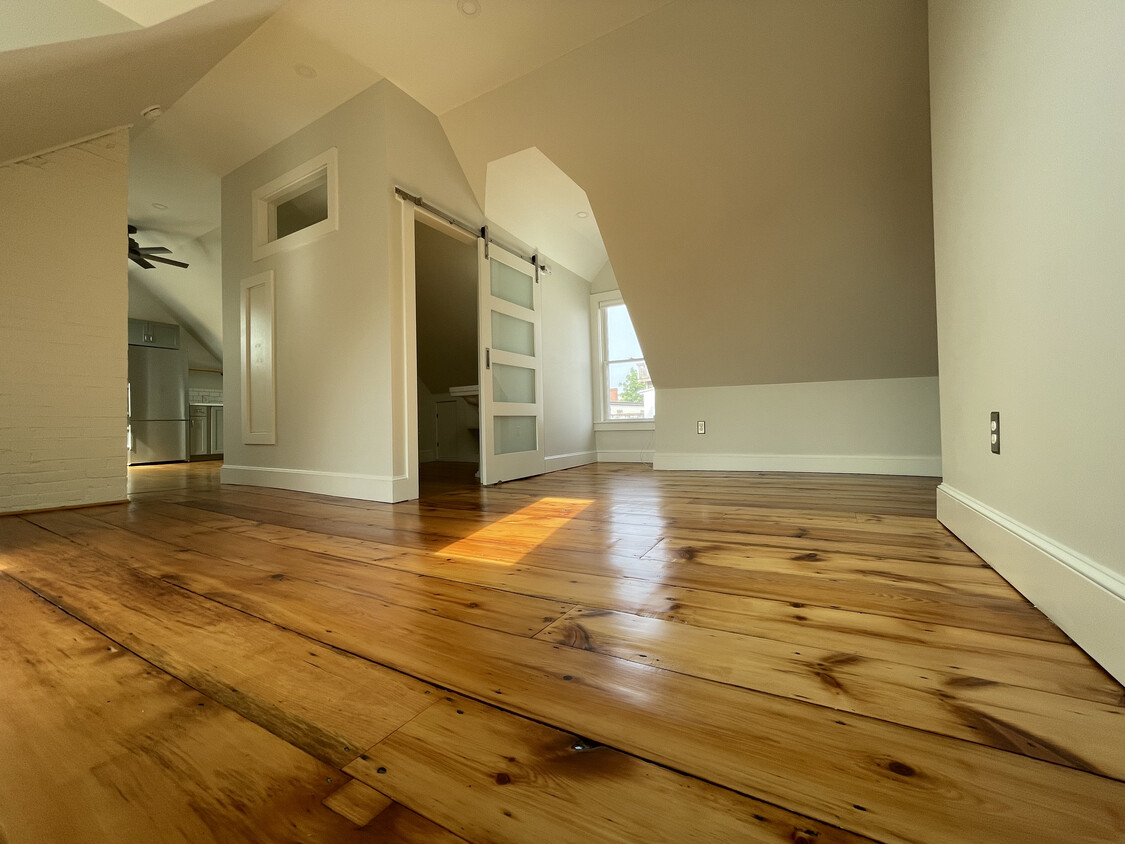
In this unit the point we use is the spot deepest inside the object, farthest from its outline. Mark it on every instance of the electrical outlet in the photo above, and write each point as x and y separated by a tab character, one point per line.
701	427
995	426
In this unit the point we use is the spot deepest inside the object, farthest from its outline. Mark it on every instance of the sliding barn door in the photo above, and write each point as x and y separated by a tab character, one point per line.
511	366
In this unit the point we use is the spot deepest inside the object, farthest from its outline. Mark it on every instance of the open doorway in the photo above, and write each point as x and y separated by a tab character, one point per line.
446	271
531	409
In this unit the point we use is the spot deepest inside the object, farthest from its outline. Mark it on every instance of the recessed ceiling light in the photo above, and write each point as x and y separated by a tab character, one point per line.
152	112
582	215
305	70
468	7
160	206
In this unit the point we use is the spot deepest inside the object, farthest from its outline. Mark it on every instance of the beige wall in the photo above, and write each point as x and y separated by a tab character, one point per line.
568	413
884	426
760	173
346	402
63	362
332	323
1029	211
419	160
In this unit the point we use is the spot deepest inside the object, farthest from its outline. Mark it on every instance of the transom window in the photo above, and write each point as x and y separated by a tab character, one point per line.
297	207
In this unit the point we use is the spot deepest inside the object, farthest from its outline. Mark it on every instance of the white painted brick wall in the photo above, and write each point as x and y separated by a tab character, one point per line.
63	358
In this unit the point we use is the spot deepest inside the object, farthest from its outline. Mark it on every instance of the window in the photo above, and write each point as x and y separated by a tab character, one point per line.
304	205
626	388
297	207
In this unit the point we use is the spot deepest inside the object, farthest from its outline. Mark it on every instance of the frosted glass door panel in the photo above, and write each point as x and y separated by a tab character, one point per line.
513	384
514	434
513	335
509	332
512	286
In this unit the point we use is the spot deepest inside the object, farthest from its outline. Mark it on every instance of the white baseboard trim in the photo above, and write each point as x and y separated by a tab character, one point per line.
1080	595
851	464
342	484
569	461
624	455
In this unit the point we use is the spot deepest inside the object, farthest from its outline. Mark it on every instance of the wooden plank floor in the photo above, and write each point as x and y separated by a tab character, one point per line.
603	654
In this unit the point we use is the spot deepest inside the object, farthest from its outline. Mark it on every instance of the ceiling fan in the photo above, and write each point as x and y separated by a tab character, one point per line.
143	255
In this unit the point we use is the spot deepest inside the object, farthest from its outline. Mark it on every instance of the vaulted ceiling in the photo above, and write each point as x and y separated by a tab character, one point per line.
760	173
235	77
760	166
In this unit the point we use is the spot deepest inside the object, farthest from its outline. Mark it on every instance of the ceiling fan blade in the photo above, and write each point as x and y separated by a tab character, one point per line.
154	250
138	259
166	261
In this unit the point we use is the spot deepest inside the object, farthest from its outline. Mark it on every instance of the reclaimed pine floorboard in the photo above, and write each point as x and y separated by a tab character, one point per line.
99	746
606	653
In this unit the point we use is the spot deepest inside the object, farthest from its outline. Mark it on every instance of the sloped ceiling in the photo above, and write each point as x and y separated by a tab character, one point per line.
526	194
57	92
52	21
760	173
194	294
759	170
232	87
55	21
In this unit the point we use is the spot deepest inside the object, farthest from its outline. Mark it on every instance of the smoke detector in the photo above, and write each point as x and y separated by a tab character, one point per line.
152	112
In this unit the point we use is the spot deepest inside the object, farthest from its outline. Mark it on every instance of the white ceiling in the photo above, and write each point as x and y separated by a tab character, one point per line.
796	131
232	86
53	21
528	195
152	12
256	96
444	59
252	99
761	177
235	77
56	92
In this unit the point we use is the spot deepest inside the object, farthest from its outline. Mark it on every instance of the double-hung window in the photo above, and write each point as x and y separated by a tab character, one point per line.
625	386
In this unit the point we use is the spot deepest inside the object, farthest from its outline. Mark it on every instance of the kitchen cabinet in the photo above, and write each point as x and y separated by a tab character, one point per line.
164	335
216	431
205	431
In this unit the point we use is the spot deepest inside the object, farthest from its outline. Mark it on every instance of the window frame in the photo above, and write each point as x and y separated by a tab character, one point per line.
599	356
285	187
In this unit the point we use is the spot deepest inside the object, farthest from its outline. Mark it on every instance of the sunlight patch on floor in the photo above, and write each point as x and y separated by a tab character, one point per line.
513	537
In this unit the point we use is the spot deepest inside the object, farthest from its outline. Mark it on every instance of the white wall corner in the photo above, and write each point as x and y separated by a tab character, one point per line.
862	464
1084	598
341	484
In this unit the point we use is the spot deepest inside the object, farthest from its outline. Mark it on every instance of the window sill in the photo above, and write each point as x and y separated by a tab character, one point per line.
626	425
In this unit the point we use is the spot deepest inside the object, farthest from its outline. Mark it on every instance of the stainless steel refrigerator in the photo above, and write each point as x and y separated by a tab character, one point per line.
158	419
